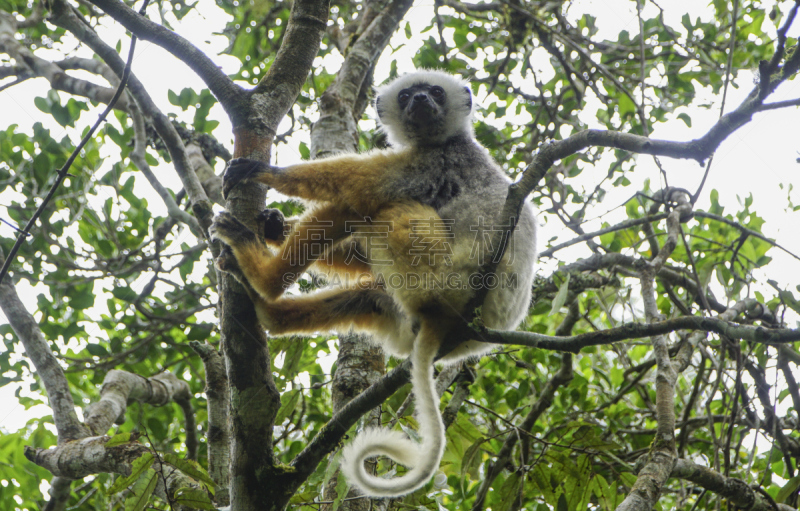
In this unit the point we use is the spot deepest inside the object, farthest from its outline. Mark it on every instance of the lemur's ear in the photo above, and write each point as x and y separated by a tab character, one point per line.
469	97
378	108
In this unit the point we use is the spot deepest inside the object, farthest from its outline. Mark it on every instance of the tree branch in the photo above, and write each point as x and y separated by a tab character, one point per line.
121	387
256	476
662	454
86	456
625	224
697	149
218	436
60	490
29	65
365	51
228	93
64	16
38	350
89	456
737	491
626	331
545	399
137	156
332	433
278	89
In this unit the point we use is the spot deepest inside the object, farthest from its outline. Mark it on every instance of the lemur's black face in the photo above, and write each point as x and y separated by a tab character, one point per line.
422	102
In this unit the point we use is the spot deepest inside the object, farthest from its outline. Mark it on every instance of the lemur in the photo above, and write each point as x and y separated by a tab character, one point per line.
421	210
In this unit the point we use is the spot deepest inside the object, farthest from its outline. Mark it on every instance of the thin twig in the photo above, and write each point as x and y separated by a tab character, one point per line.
63	172
728	66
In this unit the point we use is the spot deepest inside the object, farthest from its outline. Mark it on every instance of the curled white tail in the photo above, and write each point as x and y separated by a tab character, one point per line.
422	459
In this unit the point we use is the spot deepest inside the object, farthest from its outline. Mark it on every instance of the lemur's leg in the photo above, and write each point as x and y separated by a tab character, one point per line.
311	238
347	261
345	257
335	310
359	181
416	260
226	262
367	308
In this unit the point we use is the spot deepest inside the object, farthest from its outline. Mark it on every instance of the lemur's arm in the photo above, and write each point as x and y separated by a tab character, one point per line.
362	182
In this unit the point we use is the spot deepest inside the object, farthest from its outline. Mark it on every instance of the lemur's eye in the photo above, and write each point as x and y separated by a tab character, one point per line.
403	96
437	92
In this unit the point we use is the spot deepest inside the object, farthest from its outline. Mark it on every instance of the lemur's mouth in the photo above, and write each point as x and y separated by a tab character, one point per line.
419	110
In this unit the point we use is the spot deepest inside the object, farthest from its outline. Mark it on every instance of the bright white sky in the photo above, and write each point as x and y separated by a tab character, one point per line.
757	159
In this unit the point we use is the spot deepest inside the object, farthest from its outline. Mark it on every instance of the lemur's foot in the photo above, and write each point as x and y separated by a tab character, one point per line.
244	169
227	229
273	223
226	263
239	169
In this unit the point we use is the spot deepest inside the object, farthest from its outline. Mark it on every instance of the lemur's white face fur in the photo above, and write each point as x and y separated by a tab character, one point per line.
425	107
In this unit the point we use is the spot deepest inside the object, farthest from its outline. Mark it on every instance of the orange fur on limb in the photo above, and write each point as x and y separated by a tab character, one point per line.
312	237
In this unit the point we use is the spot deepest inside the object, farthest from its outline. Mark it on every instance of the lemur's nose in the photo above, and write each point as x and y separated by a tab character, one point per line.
420	97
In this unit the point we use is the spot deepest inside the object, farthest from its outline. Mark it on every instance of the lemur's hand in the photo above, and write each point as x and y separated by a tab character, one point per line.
241	169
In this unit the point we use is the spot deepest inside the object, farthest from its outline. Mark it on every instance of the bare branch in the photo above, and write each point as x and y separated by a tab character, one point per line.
545	399
44	360
218	436
137	156
625	224
779	104
332	433
64	16
228	93
256	476
87	456
121	387
365	51
749	232
629	331
740	494
662	453
276	92
60	490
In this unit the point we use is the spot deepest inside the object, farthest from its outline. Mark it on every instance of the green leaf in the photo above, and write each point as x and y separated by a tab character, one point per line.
788	489
561	296
97	350
193	498
119	439
541	477
141	491
199	333
138	467
332	466
305	152
124	293
289	402
625	105
789	299
42	104
294	355
42	168
471	460
189	467
606	495
509	492
342	489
